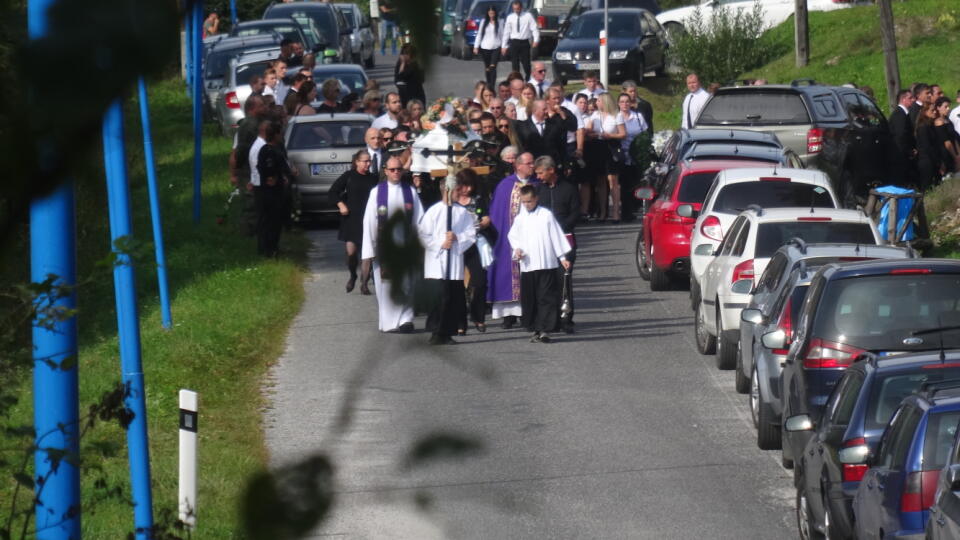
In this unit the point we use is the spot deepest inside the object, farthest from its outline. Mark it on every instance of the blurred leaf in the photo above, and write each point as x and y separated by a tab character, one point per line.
421	18
441	445
288	502
400	255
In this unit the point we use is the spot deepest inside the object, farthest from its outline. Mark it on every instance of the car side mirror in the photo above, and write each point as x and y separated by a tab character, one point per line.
953	477
752	315
687	211
644	193
774	340
800	422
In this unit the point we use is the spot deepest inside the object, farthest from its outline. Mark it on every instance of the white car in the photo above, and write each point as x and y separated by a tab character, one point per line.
754	237
733	191
774	11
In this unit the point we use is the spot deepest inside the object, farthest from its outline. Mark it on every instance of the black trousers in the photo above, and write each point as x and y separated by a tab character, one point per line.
519	51
269	204
446	314
477	293
540	300
490	58
628	181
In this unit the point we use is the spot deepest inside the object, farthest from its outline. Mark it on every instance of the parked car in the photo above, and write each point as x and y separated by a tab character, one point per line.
362	42
859	307
635	40
217	62
236	88
663	242
835	129
774	305
287	28
732	192
894	496
351	76
548	14
579	7
334	31
447	20
320	147
754	237
944	521
828	473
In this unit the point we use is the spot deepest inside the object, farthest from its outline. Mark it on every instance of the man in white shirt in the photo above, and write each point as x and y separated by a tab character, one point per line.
446	232
694	102
955	115
518	30
387	199
539	79
538	243
591	85
389	118
375	149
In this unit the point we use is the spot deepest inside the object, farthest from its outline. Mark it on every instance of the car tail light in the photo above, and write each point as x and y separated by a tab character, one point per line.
786	325
232	101
941	366
855	452
711	228
471	24
541	21
828	354
919	490
774	179
814	140
910	271
854	473
743	270
814	218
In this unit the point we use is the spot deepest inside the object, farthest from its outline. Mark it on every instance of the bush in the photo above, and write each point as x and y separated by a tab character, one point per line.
725	45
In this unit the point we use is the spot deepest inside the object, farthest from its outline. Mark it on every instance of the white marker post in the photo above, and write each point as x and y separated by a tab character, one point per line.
604	61
187	494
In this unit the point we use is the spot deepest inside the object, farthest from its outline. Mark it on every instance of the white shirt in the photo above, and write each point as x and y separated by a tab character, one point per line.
394	204
573	110
521	113
280	92
375	168
253	157
521	26
489	37
635	124
540	86
596	92
540	238
385	121
955	119
267	91
605	123
433	231
692	105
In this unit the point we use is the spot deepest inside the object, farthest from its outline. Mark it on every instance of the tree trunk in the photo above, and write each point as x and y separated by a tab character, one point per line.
801	33
891	66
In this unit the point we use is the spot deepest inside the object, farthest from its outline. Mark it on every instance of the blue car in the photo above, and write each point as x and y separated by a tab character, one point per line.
828	473
895	495
859	307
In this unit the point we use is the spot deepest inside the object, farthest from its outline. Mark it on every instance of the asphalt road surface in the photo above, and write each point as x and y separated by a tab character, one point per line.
621	430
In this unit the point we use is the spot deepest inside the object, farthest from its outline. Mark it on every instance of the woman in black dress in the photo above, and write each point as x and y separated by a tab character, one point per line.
947	137
929	155
408	76
350	193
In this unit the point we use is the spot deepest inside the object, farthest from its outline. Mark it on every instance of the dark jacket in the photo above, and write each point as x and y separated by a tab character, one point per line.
552	143
563	200
902	130
646	110
914	112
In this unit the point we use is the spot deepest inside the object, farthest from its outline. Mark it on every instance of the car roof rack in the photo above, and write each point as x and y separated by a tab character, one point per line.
930	389
799	242
804	82
756	208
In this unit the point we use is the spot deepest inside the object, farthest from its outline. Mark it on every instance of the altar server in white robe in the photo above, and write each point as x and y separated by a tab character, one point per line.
385	200
539	244
446	233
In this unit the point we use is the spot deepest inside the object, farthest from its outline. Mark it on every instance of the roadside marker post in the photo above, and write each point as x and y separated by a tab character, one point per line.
187	492
604	54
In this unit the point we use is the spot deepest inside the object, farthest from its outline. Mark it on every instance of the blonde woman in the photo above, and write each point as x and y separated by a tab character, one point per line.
607	130
527	97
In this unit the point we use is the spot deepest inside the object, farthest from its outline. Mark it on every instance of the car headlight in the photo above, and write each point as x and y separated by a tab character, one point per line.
564	56
618	55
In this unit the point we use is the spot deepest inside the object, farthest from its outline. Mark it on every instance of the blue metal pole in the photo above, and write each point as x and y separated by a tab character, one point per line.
55	388
128	323
197	108
161	258
233	13
188	47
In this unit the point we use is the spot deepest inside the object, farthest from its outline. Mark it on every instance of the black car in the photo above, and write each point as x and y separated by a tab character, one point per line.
579	7
856	308
636	43
836	129
334	31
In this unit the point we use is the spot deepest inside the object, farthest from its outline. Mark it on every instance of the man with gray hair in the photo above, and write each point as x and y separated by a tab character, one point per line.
496	108
563	200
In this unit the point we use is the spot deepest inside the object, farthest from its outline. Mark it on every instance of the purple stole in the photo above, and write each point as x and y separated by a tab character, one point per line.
407	190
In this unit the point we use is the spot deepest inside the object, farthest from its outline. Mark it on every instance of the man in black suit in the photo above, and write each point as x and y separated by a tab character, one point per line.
545	132
921	95
640	105
902	130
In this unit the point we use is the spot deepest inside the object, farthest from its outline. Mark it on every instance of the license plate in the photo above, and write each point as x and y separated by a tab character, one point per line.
584	66
324	169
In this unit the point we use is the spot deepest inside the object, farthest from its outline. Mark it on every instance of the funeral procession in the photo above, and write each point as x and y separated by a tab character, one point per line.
481	269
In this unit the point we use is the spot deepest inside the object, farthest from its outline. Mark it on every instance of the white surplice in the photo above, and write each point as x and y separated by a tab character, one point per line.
433	232
540	237
391	315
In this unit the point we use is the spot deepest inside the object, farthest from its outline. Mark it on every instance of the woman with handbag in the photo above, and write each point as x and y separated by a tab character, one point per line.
478	257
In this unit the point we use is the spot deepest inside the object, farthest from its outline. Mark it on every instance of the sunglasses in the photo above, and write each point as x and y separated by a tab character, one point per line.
394	169
388	139
541	71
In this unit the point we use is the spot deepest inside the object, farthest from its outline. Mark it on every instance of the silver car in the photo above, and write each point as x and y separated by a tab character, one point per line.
216	63
351	76
361	36
320	148
236	87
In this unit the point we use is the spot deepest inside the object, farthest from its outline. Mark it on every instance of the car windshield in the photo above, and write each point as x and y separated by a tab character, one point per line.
590	25
880	312
735	198
323	20
350	81
328	134
770	236
941	428
888	391
744	151
754	109
244	73
288	31
694	187
217	62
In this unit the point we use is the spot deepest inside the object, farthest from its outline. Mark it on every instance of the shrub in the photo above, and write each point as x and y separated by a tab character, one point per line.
720	48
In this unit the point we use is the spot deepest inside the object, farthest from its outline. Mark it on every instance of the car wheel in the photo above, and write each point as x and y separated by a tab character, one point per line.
769	436
706	343
829	525
754	397
642	267
741	381
805	524
641	70
726	349
659	279
694	294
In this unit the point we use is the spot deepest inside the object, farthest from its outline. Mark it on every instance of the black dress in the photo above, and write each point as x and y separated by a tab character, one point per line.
409	82
946	133
929	156
353	190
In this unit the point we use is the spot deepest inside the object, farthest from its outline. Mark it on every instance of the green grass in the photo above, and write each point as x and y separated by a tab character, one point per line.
231	310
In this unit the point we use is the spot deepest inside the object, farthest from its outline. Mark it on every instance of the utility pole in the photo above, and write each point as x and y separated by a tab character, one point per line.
801	33
891	66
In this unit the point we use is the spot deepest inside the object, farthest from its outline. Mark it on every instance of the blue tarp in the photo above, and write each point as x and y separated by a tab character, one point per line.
903	210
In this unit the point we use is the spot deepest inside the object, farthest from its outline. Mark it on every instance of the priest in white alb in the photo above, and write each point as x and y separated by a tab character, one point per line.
540	246
385	200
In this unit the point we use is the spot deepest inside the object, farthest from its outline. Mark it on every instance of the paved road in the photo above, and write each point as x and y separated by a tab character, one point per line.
620	431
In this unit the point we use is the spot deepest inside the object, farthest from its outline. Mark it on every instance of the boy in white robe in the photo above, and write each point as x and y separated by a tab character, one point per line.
538	243
446	233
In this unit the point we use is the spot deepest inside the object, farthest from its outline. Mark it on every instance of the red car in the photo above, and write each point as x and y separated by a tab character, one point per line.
663	244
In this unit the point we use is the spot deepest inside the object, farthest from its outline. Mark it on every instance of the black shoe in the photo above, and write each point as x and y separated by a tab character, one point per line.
568	328
509	322
351	283
481	327
436	339
536	338
405	328
544	337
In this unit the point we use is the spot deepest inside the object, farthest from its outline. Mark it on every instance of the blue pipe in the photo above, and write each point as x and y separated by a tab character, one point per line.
53	251
161	258
197	108
233	13
128	323
188	47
